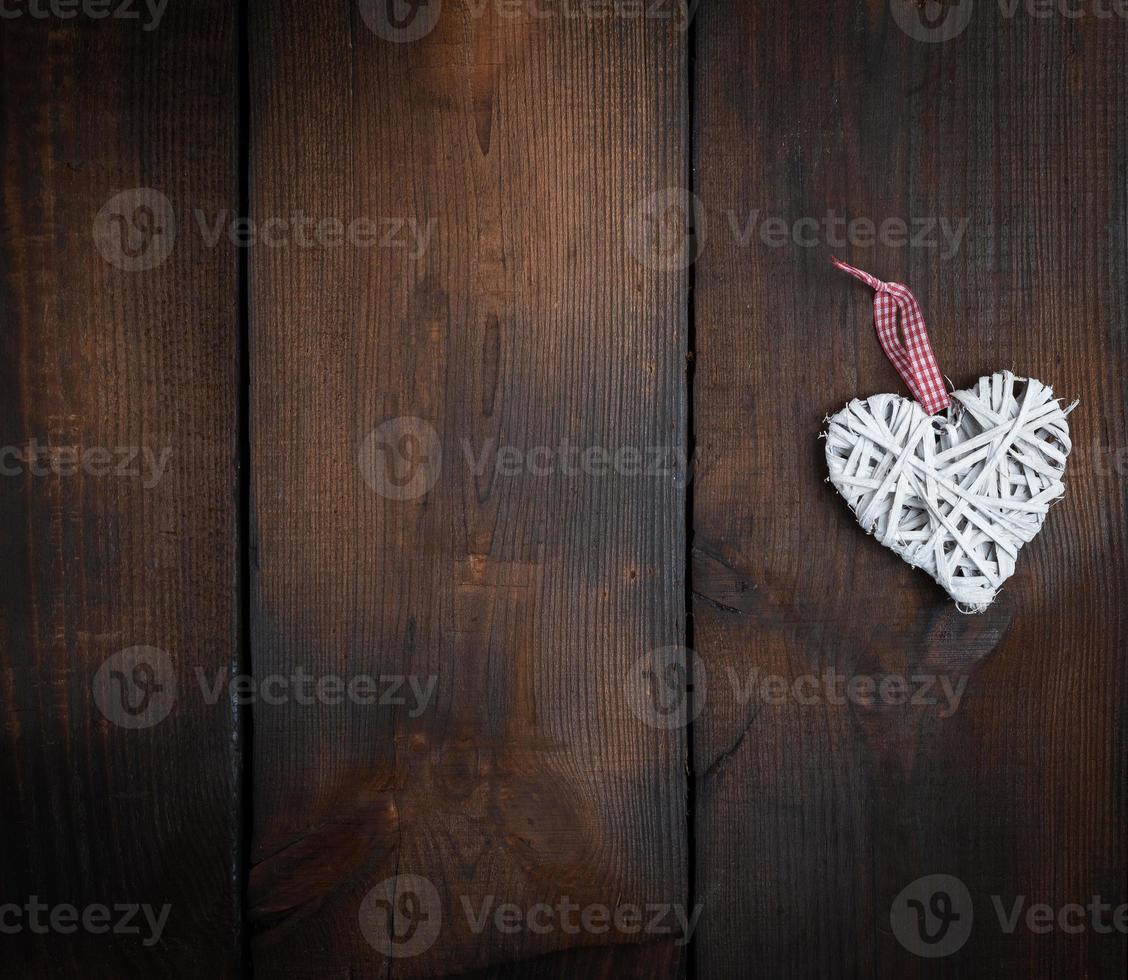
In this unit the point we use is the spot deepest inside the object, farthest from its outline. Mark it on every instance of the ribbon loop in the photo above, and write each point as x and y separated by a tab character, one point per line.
908	348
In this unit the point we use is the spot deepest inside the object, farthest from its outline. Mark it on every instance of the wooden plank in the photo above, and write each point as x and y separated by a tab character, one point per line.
812	817
484	179
118	492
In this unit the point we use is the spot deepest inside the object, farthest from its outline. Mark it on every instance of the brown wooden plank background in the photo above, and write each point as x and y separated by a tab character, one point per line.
470	263
812	818
527	321
99	361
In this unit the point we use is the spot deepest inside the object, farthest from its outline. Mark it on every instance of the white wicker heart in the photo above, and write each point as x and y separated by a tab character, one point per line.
956	497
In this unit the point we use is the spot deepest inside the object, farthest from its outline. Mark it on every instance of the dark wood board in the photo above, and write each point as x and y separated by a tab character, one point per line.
104	551
546	310
811	818
525	143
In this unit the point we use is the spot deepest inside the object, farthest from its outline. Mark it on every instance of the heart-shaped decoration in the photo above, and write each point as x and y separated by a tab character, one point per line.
959	496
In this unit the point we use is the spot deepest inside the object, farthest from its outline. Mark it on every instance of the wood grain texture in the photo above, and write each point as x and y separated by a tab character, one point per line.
526	322
812	817
104	550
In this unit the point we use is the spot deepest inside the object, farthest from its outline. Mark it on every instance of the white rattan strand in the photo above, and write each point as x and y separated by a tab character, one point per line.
960	496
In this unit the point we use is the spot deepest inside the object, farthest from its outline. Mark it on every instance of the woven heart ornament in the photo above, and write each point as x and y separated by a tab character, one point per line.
957	494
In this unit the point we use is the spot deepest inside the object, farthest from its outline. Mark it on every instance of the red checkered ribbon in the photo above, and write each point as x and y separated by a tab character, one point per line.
908	349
